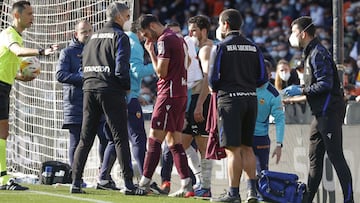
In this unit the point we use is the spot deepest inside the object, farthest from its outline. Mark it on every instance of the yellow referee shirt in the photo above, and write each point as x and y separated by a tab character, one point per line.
9	62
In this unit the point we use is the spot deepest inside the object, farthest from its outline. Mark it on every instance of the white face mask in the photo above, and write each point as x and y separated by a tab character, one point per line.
219	35
348	70
284	75
283	53
195	40
274	54
127	25
294	40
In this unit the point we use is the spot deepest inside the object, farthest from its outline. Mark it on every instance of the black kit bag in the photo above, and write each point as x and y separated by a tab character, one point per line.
52	172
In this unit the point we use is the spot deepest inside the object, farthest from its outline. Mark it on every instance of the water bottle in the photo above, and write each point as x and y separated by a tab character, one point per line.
47	174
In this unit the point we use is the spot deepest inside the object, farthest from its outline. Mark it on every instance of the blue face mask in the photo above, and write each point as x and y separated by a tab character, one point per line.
349	19
248	19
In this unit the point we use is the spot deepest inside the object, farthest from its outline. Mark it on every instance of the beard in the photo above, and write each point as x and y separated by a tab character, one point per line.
154	36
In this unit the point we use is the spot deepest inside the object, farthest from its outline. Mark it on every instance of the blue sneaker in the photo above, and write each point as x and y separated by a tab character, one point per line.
203	193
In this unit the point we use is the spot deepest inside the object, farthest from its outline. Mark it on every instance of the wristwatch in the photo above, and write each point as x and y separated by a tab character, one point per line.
41	51
278	144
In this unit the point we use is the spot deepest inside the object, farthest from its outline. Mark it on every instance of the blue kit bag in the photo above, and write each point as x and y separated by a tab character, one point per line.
281	187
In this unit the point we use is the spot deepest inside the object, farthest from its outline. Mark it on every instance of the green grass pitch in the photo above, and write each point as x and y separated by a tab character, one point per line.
60	194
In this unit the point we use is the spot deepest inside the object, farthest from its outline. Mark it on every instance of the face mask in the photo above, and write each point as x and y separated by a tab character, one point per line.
348	70
248	20
358	63
195	40
349	19
219	35
127	25
294	40
274	54
284	76
322	35
283	53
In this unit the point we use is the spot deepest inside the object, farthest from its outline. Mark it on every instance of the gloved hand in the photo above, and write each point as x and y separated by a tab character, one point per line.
293	90
128	99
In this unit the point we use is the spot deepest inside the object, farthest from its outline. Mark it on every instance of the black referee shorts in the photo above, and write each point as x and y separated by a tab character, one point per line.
4	100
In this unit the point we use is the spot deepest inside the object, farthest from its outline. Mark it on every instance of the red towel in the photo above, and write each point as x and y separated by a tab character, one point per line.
213	149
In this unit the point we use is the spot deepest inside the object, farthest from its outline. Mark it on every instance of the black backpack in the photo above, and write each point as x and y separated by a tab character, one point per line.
57	172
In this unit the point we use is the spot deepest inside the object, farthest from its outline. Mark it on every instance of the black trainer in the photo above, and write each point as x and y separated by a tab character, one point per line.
155	189
11	185
108	186
135	191
76	190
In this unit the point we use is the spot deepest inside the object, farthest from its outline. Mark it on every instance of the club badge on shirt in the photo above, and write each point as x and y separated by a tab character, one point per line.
138	114
262	101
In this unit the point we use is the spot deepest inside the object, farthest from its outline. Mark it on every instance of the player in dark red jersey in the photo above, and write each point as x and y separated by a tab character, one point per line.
167	120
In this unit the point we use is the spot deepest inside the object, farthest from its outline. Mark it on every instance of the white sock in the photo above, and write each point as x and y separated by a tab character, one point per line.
144	181
185	182
194	163
206	171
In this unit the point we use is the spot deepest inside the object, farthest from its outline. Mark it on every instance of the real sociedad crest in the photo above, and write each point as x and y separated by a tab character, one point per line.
138	114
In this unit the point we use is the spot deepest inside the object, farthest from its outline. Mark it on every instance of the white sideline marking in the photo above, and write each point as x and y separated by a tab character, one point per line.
69	197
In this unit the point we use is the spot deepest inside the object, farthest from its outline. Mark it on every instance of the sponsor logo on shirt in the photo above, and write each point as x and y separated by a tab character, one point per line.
99	69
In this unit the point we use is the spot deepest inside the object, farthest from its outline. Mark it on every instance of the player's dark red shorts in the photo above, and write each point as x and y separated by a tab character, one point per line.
169	114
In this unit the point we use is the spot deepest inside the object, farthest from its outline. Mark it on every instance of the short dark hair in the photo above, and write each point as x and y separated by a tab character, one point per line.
305	24
201	22
232	17
19	6
145	20
172	24
135	27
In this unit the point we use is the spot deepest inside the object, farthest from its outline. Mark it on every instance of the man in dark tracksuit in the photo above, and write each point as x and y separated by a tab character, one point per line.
106	80
237	70
325	97
68	72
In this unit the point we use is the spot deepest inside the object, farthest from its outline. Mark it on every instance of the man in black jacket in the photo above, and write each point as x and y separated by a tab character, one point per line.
106	80
325	96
